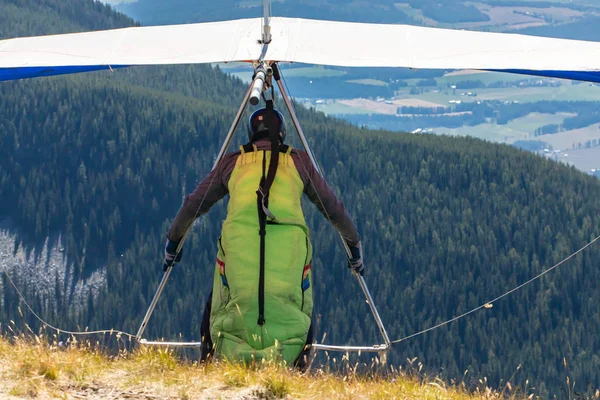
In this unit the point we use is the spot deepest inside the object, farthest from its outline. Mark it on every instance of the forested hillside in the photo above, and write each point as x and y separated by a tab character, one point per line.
447	224
42	17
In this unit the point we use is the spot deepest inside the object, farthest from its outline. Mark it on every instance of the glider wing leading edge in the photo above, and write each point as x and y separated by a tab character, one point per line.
155	45
303	41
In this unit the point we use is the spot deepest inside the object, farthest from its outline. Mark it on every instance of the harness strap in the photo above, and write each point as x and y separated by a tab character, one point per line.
262	232
263	203
274	137
248	148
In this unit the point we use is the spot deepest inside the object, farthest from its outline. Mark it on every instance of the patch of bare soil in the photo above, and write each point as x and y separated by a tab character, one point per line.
107	391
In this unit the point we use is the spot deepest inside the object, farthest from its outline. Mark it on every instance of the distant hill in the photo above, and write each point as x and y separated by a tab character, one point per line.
37	17
104	159
544	18
156	12
585	29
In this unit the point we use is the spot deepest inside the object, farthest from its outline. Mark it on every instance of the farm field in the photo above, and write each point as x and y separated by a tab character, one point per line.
533	121
244	72
595	3
487	78
511	18
517	129
521	128
559	2
316	71
380	107
567	92
582	159
336	108
373	82
507	18
434	98
491	132
567	139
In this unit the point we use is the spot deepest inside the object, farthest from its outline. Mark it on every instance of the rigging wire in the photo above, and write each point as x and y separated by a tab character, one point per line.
58	330
309	149
489	303
484	305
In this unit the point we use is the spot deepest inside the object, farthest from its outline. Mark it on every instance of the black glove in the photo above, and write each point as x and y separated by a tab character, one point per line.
171	255
356	262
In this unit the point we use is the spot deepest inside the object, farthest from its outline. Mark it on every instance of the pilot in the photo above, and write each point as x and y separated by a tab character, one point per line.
261	303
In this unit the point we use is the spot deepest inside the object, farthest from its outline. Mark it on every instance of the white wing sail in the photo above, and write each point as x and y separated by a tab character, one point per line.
303	41
155	45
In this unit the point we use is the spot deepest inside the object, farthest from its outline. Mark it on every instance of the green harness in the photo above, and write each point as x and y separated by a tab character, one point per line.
261	309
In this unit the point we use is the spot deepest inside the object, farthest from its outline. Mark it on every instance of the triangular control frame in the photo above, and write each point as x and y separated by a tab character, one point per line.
264	72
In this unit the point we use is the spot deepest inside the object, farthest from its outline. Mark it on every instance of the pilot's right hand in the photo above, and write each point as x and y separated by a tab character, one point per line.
356	261
171	254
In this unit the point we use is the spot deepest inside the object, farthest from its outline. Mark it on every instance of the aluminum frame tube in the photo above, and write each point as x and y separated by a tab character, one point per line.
161	286
266	33
361	280
258	85
163	282
290	108
234	126
367	349
171	344
378	320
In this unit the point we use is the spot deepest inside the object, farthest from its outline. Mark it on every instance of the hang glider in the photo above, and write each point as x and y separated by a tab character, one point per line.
265	42
302	41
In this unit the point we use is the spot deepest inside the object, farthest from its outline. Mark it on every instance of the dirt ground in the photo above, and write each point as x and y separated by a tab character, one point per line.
106	390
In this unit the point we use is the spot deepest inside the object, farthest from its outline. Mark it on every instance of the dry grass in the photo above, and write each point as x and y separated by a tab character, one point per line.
32	368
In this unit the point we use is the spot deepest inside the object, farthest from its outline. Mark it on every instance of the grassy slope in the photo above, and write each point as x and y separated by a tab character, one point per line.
29	368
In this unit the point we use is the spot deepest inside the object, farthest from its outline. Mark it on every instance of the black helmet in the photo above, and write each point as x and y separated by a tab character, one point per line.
256	124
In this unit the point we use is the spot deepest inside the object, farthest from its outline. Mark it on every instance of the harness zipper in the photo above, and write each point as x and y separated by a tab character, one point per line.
262	221
221	246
